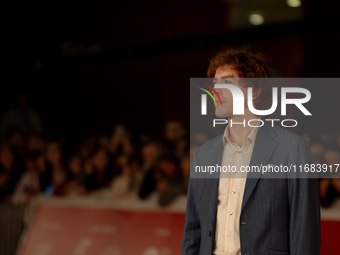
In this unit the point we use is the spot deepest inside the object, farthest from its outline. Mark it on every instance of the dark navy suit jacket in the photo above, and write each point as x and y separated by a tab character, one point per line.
279	216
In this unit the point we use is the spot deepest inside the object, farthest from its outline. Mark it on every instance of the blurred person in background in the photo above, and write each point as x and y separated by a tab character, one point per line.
185	168
129	179
128	150
103	140
200	138
174	131
21	118
18	143
181	149
130	145
55	172
10	171
116	140
44	173
35	143
98	170
29	185
175	139
169	180
318	150
85	148
330	187
150	153
75	183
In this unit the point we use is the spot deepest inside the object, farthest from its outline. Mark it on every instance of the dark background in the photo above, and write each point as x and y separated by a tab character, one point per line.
88	65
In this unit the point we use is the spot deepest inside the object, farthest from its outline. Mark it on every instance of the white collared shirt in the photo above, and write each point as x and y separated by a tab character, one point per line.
230	194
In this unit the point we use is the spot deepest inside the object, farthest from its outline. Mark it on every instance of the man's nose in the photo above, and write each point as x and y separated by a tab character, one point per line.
218	91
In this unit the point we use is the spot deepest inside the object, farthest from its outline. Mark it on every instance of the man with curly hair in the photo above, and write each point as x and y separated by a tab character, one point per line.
250	214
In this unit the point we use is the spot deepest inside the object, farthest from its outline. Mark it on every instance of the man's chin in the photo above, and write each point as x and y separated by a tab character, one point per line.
221	114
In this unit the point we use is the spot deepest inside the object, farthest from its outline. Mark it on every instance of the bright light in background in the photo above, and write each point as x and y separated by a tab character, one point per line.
294	3
256	19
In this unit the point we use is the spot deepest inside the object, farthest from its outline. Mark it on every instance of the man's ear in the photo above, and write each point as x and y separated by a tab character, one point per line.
256	93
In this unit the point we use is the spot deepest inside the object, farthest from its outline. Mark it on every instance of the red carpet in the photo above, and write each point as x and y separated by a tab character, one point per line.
85	231
94	231
330	237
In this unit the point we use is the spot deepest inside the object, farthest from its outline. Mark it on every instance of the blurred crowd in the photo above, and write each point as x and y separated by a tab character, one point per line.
122	161
326	150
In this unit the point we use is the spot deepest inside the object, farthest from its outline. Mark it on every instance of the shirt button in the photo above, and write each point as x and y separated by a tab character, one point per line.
230	213
233	192
229	234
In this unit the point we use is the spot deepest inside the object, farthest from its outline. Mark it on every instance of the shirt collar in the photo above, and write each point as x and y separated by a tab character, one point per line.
250	138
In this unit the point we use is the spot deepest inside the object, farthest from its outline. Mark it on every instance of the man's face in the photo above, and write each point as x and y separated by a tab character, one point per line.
226	75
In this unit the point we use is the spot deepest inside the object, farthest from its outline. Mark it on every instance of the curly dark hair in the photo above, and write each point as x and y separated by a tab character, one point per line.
247	65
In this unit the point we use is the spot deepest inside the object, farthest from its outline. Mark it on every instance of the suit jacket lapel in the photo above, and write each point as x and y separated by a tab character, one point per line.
213	180
263	149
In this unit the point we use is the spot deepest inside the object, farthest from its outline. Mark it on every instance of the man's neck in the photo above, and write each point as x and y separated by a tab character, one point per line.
238	132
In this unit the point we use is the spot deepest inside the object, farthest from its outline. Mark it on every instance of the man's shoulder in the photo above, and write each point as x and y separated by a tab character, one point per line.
211	144
283	134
